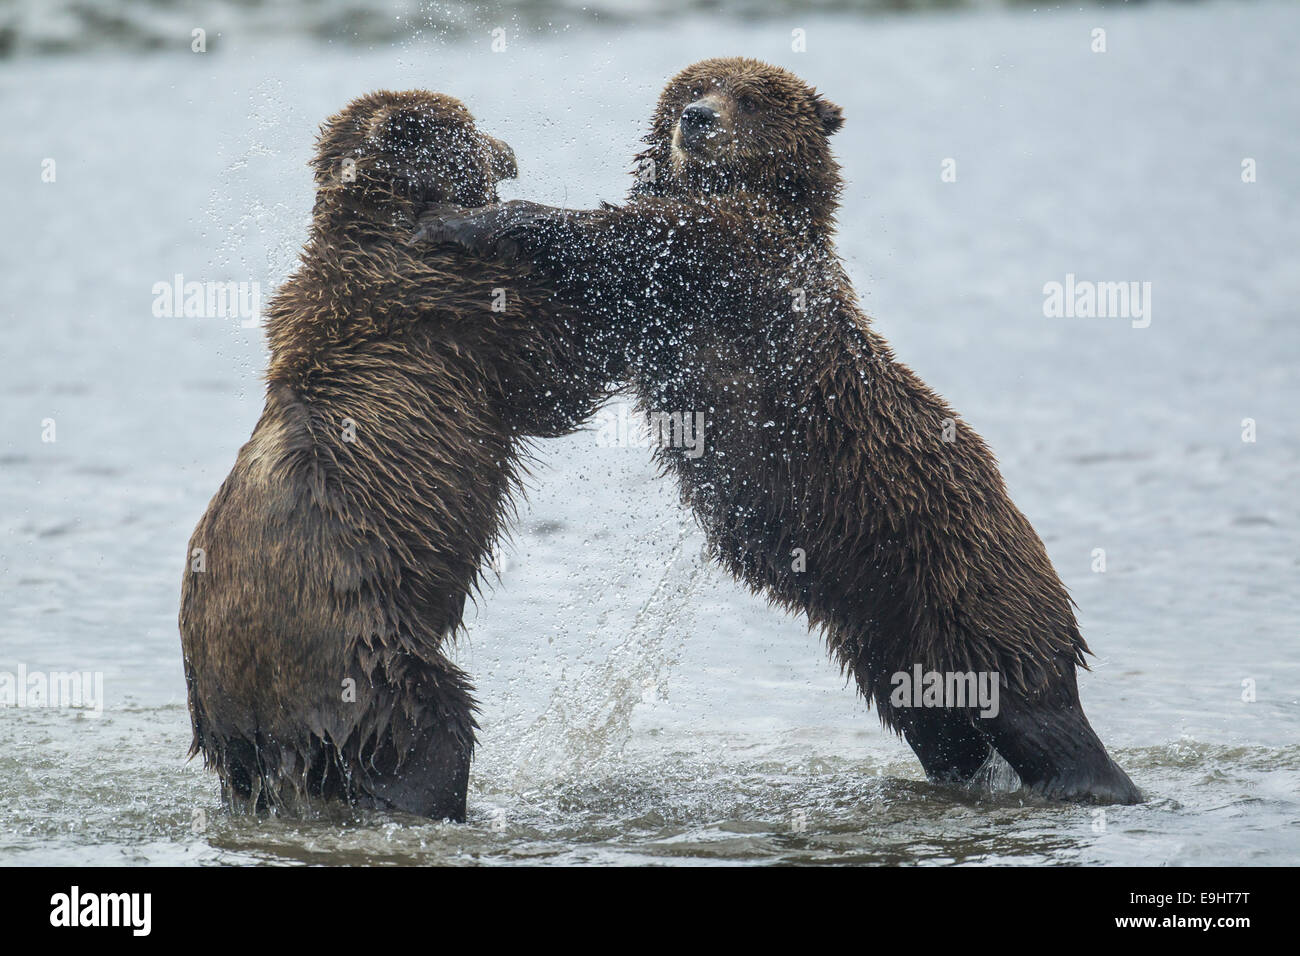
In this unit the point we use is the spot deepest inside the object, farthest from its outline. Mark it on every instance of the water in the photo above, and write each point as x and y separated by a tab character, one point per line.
638	706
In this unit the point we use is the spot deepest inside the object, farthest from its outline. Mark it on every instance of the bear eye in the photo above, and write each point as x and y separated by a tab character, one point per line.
747	104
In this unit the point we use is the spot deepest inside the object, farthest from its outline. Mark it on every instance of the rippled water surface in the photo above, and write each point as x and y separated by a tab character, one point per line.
638	706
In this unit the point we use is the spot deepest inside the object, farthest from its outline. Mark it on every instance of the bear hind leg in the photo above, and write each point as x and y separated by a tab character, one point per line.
429	780
1057	754
950	749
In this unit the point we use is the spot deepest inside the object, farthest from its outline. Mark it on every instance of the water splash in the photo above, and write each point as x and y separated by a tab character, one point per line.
589	718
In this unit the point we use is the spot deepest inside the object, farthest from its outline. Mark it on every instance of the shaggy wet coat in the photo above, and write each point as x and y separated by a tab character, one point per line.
833	479
332	567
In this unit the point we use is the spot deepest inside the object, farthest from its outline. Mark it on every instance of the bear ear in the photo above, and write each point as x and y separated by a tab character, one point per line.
832	116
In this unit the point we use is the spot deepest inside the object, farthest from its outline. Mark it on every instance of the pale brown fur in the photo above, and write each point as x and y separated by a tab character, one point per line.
339	567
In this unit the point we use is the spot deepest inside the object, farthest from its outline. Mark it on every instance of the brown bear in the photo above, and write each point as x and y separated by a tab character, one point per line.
331	568
833	480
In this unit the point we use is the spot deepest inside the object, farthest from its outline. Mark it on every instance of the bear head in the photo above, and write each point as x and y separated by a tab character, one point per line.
740	125
391	152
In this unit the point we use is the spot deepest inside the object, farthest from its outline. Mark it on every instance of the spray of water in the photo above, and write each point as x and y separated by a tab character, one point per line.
589	718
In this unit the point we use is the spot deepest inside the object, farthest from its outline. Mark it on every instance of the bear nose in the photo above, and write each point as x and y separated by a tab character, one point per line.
697	119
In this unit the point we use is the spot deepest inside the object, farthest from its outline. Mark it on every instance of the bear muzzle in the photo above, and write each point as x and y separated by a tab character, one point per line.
699	123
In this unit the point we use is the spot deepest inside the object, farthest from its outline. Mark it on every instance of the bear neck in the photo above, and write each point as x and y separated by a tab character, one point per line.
360	215
317	307
805	205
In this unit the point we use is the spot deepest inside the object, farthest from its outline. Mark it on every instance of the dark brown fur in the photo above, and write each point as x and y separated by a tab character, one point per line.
816	438
329	560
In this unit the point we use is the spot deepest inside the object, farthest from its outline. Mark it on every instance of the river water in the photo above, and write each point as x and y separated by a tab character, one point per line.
638	705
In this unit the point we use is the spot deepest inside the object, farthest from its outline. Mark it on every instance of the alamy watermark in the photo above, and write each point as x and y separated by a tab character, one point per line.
958	689
620	426
79	690
128	910
208	300
1084	299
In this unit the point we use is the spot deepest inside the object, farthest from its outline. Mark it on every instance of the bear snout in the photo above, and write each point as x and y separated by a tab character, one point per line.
502	158
698	120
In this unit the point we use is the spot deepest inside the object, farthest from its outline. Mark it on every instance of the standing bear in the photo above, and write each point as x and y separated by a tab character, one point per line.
331	569
833	480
